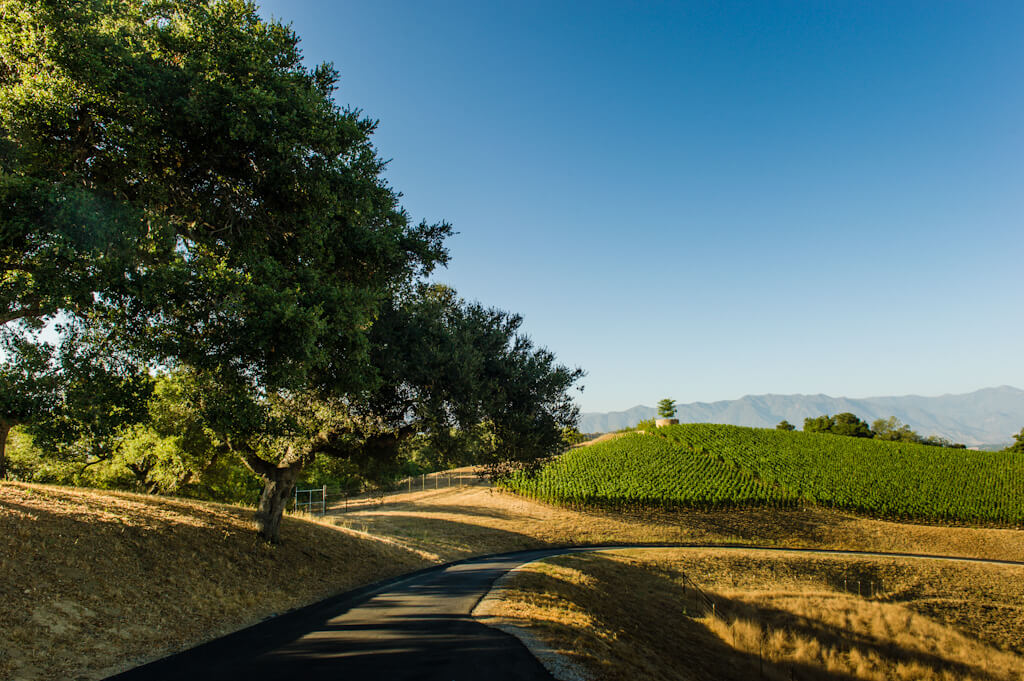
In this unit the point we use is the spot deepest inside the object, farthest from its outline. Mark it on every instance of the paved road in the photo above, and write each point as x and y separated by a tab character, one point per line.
414	628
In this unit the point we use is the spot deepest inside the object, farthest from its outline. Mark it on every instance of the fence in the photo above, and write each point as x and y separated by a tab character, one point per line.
304	500
326	499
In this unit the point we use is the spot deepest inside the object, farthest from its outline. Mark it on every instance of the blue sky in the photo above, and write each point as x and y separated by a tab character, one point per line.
705	200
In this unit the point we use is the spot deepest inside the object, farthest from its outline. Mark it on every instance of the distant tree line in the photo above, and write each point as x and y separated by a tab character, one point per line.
850	425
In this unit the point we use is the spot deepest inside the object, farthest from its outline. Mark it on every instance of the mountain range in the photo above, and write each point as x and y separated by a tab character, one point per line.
985	417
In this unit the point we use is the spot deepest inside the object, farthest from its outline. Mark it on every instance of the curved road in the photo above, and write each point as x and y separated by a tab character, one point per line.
414	627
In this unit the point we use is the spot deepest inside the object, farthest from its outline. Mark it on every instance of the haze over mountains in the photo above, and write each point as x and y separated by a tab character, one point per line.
989	416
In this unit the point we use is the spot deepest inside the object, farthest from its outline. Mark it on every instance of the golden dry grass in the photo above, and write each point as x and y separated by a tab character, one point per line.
95	582
459	522
626	615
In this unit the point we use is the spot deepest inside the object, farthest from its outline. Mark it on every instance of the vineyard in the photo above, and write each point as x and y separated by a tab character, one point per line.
718	466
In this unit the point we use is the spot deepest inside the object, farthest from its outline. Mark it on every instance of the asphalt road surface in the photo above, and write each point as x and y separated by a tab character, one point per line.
414	628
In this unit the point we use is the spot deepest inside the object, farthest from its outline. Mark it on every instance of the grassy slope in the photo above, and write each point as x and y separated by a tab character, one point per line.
94	582
925	620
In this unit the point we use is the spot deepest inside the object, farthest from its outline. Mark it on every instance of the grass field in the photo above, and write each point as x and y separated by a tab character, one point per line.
716	466
775	616
95	582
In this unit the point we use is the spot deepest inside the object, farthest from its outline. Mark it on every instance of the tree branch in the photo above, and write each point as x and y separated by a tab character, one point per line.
38	310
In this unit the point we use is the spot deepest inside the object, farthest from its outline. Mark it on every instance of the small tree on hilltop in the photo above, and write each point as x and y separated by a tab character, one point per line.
785	425
667	408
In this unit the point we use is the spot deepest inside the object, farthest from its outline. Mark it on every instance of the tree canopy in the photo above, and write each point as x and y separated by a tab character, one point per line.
893	429
173	168
179	193
844	423
667	408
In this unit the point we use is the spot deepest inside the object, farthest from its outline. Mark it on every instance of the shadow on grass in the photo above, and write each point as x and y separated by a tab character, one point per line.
448	539
641	623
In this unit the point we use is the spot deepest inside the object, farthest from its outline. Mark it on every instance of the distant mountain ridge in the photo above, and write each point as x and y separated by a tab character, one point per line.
984	417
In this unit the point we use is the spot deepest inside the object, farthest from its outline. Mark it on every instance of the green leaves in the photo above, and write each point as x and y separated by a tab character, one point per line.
666	408
705	466
171	173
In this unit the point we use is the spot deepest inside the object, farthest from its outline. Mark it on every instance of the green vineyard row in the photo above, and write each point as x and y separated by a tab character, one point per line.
718	466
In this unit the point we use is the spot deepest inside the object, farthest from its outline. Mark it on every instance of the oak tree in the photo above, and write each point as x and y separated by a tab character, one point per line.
173	175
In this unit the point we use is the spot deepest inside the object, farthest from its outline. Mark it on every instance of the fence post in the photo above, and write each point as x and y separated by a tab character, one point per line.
323	501
410	484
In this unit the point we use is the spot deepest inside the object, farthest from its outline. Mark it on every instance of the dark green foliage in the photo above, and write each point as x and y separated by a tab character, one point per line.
177	185
893	430
821	424
73	398
841	424
647	425
785	425
849	425
175	178
173	171
703	465
666	408
468	382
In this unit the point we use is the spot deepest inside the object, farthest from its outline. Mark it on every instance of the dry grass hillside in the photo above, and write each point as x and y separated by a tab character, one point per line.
449	524
775	617
97	582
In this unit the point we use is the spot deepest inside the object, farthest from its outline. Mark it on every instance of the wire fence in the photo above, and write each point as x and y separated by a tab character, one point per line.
336	499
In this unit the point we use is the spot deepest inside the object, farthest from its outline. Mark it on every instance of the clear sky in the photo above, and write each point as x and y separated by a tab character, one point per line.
702	200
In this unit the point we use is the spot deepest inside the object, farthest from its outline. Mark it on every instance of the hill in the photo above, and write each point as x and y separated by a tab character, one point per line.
96	582
984	417
720	466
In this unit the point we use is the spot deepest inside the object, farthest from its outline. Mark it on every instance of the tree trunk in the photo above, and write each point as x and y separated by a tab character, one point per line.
278	484
277	489
4	431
